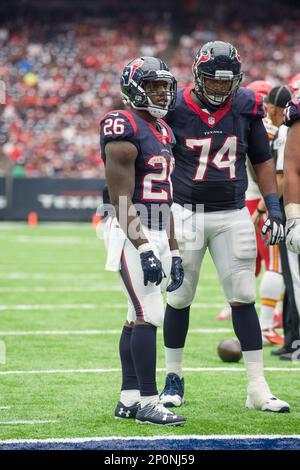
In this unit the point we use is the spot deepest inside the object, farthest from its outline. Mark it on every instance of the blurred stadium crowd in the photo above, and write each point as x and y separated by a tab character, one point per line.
62	76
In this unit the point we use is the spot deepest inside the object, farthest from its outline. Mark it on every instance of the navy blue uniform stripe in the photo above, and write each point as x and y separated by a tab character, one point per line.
128	284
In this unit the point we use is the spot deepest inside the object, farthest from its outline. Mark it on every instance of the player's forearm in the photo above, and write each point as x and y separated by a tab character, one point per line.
280	182
266	177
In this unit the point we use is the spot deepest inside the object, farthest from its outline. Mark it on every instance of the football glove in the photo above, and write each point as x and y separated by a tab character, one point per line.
272	231
152	268
177	274
293	235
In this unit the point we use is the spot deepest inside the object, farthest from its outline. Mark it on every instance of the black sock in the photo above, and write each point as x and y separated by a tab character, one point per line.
143	350
176	325
246	327
129	378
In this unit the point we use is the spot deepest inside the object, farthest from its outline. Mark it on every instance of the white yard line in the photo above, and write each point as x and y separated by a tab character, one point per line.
12	423
78	440
101	287
50	239
30	307
105	371
53	307
99	332
66	276
5	407
51	277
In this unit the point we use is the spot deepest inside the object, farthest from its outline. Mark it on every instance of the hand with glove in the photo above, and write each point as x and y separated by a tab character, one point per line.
177	274
151	266
273	230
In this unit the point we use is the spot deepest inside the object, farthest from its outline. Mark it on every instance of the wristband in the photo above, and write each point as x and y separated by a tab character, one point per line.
175	253
144	247
273	205
292	211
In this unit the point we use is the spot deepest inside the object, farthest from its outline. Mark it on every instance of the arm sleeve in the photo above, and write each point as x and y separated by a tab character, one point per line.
258	143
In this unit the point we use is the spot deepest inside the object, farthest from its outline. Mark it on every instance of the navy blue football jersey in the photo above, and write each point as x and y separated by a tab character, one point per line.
154	163
211	148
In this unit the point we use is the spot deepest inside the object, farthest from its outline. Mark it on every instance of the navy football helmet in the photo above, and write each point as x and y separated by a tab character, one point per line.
133	89
218	62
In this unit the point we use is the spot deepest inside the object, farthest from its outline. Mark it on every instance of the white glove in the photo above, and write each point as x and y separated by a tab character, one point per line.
293	235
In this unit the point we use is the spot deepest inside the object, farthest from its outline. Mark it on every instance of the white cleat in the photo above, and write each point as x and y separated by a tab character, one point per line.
255	401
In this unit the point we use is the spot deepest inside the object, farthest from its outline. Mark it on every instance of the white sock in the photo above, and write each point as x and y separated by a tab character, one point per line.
130	397
151	399
174	360
271	287
255	371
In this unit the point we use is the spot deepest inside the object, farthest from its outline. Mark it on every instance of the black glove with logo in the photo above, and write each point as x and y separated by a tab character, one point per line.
152	268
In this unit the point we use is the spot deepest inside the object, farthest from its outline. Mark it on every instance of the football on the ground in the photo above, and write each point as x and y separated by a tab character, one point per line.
229	350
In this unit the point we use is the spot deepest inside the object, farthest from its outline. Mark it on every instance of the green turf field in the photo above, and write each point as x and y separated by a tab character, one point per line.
59	378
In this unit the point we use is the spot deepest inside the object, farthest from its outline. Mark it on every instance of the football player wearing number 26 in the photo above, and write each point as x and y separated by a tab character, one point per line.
216	123
136	146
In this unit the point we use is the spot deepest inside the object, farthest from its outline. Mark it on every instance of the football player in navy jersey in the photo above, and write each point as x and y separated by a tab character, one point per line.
136	147
216	123
291	190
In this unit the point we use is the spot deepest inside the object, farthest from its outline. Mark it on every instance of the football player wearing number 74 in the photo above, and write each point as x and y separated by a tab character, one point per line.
136	146
216	123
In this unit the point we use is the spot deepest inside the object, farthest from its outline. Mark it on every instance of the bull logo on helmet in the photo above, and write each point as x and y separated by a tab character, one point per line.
203	57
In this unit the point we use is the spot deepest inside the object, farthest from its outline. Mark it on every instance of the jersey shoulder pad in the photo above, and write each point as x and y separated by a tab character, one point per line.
118	126
292	111
250	103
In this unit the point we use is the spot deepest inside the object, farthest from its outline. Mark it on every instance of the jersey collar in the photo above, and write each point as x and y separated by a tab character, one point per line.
210	119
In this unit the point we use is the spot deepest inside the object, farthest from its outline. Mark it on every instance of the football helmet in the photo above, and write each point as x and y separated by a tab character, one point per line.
133	89
262	87
218	62
294	84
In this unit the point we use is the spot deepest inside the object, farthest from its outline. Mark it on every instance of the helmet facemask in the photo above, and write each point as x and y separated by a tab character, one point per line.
217	73
226	86
153	90
161	96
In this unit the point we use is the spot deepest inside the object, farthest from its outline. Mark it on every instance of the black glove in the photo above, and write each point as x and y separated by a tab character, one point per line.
152	268
177	274
272	231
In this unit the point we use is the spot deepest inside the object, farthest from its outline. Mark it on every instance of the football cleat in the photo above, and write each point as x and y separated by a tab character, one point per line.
156	413
172	394
270	336
126	412
225	314
268	403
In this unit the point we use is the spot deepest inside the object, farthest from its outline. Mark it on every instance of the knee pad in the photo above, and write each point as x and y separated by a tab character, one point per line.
182	297
240	287
271	286
153	308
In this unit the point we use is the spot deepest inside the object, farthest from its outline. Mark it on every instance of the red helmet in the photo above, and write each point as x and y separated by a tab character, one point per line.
294	83
262	87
